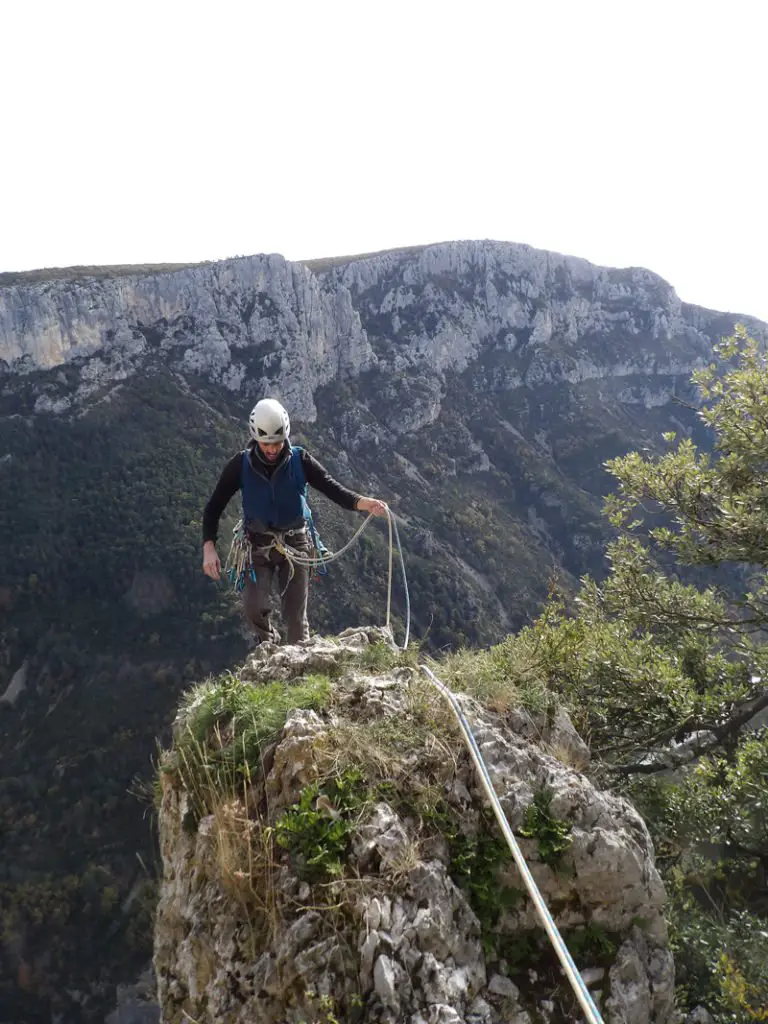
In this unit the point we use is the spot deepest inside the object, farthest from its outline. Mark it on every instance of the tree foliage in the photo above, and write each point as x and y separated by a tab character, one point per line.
664	666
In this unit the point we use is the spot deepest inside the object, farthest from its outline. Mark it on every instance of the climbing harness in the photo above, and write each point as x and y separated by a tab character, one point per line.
303	559
239	563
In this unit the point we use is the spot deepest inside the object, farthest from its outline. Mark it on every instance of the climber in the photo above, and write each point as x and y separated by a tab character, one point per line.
268	473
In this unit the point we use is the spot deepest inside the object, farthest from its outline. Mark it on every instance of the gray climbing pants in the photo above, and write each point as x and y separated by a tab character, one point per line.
294	590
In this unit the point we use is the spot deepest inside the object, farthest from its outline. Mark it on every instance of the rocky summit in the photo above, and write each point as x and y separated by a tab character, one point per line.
337	861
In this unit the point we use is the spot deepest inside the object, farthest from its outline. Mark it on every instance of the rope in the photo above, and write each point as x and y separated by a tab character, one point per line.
577	982
295	557
307	560
389	574
393	520
299	558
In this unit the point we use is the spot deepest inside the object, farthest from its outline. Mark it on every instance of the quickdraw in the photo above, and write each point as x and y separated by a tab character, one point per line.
239	564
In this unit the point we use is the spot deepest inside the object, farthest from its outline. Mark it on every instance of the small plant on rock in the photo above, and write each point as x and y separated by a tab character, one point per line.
553	834
317	828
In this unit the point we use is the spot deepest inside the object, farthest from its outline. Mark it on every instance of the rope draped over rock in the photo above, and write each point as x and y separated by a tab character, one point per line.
572	972
279	542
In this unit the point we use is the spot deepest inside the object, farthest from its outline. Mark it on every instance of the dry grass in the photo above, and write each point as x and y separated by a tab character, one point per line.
502	678
403	864
245	867
387	750
243	854
564	754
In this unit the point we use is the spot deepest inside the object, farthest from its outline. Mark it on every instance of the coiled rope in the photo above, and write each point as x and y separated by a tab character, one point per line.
295	557
572	973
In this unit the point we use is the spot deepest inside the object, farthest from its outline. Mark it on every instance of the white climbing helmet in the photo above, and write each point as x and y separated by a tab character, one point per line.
269	422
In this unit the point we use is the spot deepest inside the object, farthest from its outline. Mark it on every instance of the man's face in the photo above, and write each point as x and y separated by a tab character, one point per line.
270	452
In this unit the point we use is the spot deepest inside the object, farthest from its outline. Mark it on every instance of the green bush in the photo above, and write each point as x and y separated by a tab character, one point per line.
318	828
721	961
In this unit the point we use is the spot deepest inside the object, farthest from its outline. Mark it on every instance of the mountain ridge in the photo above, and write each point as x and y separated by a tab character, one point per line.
318	264
31	319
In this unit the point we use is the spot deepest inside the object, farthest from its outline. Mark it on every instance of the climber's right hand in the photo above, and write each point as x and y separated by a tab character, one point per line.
211	563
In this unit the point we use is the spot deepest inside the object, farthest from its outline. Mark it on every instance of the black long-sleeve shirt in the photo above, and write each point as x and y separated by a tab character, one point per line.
316	475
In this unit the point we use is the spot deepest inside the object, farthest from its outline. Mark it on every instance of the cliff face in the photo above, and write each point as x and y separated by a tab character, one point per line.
351	871
290	328
277	314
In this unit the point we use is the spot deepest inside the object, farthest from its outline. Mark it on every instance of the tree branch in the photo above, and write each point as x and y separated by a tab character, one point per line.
671	759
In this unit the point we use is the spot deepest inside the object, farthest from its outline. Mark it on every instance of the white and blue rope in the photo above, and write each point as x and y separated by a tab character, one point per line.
572	973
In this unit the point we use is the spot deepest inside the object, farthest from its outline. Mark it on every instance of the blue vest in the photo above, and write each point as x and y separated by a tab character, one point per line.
277	502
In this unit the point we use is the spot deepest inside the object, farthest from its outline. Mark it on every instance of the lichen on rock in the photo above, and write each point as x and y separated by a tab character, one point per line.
329	856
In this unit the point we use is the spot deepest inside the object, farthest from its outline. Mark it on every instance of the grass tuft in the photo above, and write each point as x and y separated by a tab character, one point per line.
228	724
503	677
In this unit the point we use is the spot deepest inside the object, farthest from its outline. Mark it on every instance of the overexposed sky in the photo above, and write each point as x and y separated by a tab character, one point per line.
629	133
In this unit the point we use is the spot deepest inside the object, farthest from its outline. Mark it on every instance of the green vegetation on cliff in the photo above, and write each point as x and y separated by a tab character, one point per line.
663	676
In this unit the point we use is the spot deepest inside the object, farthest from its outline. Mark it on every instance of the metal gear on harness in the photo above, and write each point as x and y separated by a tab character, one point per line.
239	564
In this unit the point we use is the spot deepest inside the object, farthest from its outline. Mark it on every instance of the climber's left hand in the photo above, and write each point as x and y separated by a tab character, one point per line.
373	505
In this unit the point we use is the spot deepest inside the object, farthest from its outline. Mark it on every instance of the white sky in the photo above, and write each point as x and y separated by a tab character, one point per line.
629	132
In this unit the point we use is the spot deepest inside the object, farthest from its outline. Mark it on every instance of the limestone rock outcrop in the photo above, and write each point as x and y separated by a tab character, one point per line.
261	321
256	317
423	917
